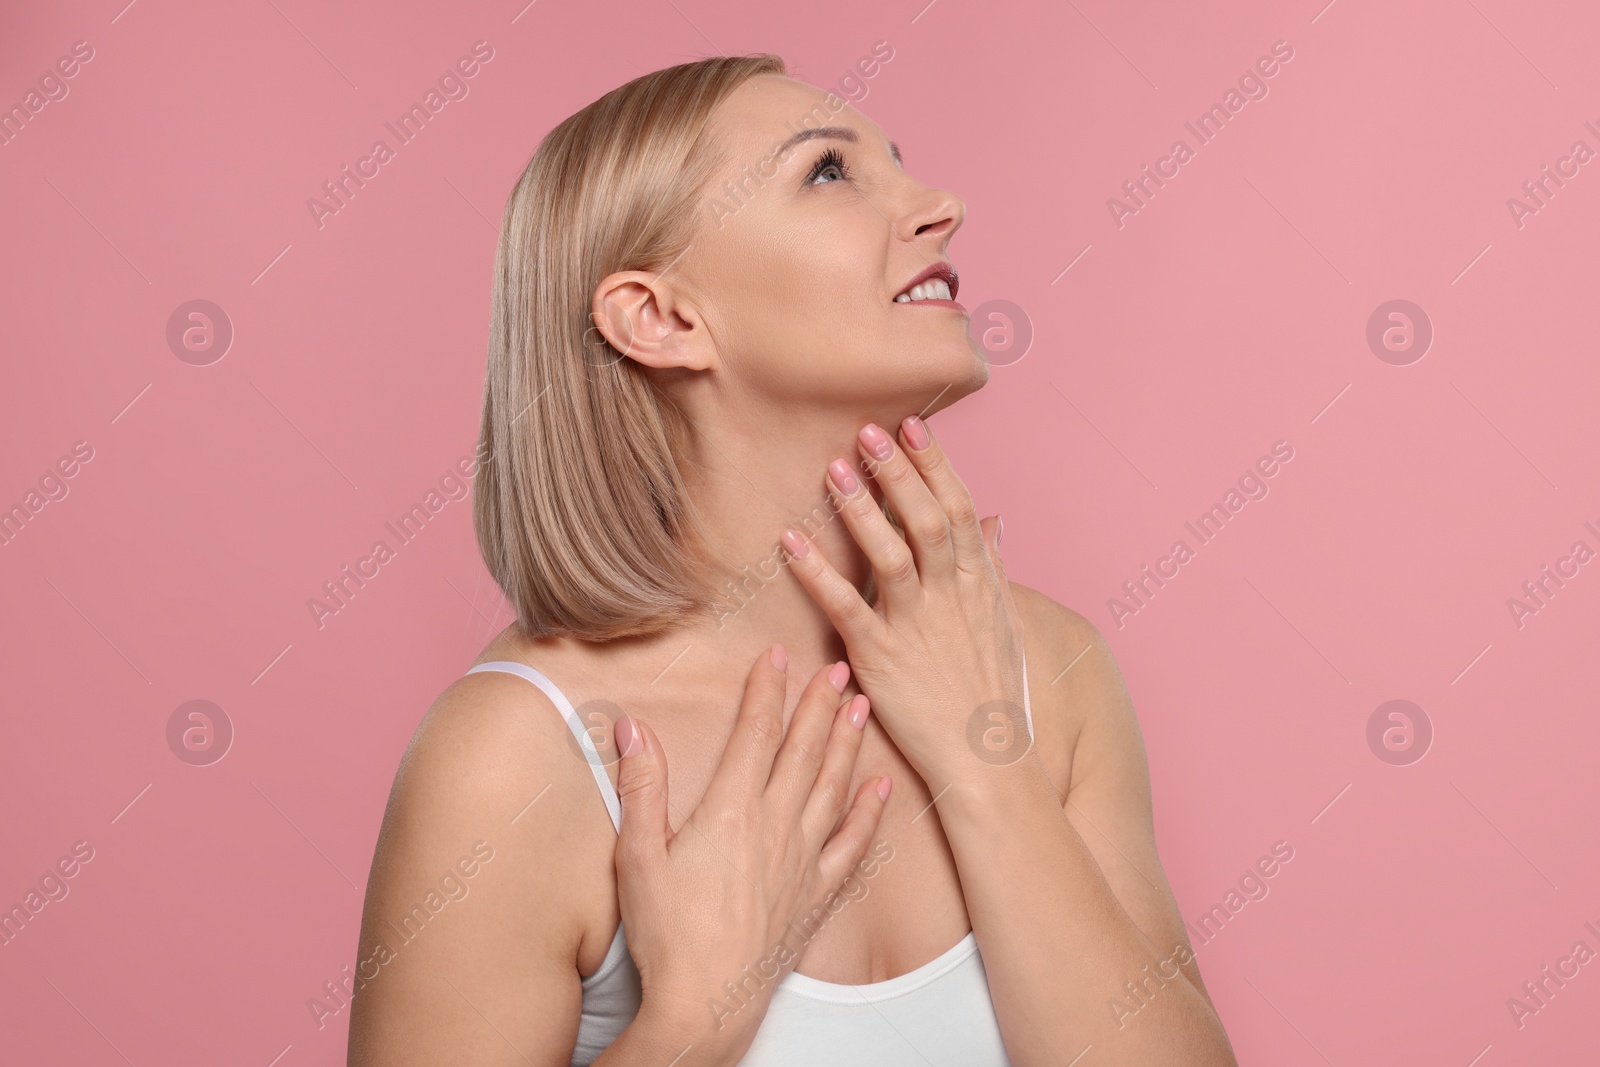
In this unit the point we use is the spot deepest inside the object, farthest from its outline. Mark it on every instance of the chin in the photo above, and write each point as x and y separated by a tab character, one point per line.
962	374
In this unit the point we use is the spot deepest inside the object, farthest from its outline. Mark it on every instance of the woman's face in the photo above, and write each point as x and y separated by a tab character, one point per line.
798	263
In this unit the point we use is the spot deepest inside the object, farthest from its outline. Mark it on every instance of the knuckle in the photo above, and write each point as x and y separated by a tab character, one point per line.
962	509
829	792
807	753
766	728
635	778
902	473
934	532
902	567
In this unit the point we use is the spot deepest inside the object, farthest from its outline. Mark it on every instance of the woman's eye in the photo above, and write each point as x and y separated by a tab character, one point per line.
830	162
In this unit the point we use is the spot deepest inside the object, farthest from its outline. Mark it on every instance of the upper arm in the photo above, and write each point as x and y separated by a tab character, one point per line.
469	935
1107	797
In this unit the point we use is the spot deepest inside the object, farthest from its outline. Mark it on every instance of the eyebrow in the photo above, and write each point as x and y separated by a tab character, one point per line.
842	133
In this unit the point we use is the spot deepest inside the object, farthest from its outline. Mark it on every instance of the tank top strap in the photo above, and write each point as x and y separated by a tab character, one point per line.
580	733
1027	705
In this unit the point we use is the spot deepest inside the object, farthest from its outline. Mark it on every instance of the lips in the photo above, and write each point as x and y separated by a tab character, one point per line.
943	271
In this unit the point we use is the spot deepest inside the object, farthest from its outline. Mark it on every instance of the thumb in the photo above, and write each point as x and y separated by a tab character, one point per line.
642	790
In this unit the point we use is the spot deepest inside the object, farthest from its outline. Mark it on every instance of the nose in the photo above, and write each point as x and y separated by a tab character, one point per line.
938	212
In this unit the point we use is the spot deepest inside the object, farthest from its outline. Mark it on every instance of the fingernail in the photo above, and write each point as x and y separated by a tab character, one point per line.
797	545
877	441
780	658
916	433
1000	529
843	478
839	675
624	733
883	788
858	710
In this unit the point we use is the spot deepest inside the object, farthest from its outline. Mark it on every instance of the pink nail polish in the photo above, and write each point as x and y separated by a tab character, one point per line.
916	433
797	546
877	441
622	732
858	710
999	528
883	787
780	658
843	478
839	675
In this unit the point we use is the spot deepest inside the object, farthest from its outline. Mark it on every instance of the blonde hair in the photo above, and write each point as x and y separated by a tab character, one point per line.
580	508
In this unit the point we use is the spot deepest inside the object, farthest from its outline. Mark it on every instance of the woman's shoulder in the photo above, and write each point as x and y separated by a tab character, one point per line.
493	756
1073	680
489	802
491	743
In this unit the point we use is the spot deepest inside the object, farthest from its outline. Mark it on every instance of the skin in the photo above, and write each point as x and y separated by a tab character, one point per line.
778	334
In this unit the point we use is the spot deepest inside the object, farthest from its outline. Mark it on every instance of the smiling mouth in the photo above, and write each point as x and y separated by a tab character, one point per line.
937	285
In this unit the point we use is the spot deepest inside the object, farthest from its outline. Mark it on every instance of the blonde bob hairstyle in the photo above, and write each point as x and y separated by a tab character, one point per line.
581	511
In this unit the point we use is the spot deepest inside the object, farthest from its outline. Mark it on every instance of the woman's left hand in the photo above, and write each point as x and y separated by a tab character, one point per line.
940	652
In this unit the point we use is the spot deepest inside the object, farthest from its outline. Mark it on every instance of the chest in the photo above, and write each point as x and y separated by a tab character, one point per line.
904	906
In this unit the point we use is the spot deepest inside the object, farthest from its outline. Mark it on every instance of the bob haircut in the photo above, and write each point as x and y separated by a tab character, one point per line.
581	511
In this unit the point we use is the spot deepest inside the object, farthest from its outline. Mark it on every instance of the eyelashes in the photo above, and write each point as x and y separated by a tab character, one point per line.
832	159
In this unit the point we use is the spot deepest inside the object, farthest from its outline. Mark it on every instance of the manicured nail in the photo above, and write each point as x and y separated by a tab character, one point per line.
797	545
843	478
1000	528
883	788
624	733
839	675
877	441
858	710
780	658
916	433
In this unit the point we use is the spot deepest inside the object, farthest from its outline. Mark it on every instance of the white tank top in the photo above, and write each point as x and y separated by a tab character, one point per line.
938	1014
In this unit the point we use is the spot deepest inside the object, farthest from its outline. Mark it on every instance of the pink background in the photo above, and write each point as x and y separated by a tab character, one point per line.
1227	314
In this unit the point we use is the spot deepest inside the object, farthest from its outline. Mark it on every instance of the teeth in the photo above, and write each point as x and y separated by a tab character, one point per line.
932	289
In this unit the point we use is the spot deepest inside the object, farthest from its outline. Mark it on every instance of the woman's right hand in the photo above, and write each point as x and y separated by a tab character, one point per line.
718	900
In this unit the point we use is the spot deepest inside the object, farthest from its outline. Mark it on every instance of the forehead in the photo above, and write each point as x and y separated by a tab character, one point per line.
768	110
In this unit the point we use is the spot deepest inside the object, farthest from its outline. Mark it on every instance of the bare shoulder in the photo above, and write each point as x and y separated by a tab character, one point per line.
1074	677
473	896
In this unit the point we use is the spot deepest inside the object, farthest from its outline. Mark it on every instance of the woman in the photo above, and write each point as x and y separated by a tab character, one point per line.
715	286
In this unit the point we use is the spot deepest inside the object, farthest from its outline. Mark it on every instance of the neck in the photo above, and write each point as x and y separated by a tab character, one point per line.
750	482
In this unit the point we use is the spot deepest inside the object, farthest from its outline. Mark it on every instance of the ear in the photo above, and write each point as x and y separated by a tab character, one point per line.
644	320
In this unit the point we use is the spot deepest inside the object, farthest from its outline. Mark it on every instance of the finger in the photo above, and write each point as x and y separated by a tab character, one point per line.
826	802
927	526
854	618
893	565
845	849
642	790
800	758
925	452
746	763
